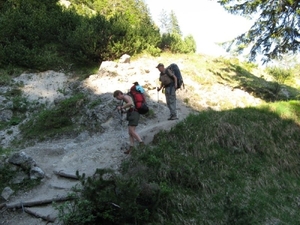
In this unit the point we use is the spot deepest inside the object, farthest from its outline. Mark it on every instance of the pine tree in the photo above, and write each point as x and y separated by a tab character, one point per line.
275	31
174	24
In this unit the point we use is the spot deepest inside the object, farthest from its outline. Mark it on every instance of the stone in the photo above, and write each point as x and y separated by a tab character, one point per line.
84	136
108	66
23	160
6	115
19	178
124	59
36	173
6	193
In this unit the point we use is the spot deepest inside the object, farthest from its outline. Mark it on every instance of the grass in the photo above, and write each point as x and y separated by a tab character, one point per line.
239	166
54	122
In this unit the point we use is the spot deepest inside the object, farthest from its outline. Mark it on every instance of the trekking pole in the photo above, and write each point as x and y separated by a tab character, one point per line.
157	94
121	135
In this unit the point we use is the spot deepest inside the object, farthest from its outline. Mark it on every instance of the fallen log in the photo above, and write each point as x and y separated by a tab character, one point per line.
2	205
38	202
61	173
48	218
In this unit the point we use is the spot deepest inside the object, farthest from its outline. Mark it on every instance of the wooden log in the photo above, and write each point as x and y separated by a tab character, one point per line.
38	202
38	215
61	173
2	205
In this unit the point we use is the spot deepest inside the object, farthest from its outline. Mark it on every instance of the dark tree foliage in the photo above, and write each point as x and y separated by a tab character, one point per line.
275	31
46	35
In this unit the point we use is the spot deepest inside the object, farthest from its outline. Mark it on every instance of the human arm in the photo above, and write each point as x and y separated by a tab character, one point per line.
128	102
161	86
174	77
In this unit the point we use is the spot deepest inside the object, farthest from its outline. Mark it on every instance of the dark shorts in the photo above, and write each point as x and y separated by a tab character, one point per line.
133	118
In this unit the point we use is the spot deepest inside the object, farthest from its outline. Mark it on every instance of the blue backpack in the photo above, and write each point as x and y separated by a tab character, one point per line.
175	69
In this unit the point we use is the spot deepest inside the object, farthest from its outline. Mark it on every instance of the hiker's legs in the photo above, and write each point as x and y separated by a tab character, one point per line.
133	135
133	120
171	100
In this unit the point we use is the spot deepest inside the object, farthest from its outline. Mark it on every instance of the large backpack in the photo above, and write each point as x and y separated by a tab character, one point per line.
138	100
175	69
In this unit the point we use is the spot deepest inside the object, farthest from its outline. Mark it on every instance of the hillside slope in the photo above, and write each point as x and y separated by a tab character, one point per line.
96	138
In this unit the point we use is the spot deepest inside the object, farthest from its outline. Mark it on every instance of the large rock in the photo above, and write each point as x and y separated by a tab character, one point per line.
6	193
124	59
19	178
36	173
6	115
23	160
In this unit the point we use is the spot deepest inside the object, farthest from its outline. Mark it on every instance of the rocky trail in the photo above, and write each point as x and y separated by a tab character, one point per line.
87	152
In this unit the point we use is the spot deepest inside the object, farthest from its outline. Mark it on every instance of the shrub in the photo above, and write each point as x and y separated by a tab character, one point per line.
53	122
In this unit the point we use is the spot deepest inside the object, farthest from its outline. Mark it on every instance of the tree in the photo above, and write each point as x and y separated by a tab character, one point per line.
164	21
275	31
174	24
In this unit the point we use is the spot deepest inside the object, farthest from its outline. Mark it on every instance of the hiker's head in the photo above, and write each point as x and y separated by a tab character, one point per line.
118	95
136	83
161	67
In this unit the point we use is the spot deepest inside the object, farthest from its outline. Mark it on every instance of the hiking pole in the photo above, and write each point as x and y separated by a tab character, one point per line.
122	135
157	94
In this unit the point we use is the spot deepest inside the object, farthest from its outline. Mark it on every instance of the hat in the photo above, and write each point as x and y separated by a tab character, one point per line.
136	83
159	65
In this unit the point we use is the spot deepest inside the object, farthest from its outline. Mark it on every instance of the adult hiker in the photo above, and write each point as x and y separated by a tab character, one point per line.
168	81
132	116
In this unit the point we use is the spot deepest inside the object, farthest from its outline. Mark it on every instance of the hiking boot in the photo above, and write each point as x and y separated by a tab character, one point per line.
128	151
173	118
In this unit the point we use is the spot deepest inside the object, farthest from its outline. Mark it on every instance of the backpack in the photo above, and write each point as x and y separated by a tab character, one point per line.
175	69
138	100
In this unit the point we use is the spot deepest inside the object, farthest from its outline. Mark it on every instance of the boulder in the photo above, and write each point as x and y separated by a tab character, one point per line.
108	66
6	193
6	115
19	178
23	160
124	59
36	173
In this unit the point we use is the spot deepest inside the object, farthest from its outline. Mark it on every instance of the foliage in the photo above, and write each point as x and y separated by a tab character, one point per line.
275	31
230	170
56	121
280	76
46	35
172	39
107	199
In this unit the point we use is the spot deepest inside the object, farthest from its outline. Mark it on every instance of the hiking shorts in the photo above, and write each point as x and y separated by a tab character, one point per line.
133	118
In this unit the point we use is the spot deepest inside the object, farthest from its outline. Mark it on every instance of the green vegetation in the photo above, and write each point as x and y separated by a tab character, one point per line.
267	85
55	122
8	172
231	167
45	35
274	31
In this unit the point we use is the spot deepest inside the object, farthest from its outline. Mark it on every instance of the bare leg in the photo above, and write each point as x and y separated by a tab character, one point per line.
133	135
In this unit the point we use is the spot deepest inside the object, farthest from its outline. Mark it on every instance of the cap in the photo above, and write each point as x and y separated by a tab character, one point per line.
159	65
136	83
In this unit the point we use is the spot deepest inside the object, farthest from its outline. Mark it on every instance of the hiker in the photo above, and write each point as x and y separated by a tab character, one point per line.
169	82
132	116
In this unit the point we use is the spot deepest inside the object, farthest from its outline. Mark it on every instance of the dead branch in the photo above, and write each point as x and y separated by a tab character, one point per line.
38	202
2	205
61	173
38	215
